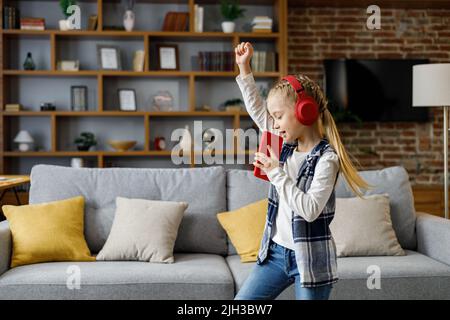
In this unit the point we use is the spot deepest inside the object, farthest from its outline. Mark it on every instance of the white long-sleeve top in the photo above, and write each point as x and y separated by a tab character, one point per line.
308	205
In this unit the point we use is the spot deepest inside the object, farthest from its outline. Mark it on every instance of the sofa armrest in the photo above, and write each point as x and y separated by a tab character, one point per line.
5	246
433	237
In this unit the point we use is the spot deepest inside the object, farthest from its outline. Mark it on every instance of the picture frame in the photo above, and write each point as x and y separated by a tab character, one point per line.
109	57
127	99
78	98
168	58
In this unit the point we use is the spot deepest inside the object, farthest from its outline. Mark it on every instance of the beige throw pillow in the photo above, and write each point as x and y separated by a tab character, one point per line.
143	230
363	227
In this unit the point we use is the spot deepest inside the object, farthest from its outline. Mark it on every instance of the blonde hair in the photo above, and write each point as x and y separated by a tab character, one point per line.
327	127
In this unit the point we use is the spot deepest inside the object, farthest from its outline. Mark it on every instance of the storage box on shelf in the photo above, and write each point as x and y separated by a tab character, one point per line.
191	86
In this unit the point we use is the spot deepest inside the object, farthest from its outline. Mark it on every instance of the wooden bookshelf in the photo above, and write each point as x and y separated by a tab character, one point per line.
102	78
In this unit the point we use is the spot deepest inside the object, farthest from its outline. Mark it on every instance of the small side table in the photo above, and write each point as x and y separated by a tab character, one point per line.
10	182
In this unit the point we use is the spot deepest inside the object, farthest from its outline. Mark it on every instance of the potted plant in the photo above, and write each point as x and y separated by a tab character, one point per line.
85	141
233	104
230	11
129	16
64	4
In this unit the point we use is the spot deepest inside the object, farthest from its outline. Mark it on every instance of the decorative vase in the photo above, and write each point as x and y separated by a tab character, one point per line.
128	20
29	63
64	25
228	26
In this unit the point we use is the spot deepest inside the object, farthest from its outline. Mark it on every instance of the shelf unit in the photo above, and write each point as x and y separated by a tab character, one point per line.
13	79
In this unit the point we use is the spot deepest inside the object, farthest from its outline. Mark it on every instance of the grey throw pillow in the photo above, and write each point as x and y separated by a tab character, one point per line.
363	227
143	230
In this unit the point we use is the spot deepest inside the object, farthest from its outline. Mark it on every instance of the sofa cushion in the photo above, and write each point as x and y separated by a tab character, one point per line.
245	227
143	230
203	188
192	276
243	188
47	232
395	182
413	276
363	227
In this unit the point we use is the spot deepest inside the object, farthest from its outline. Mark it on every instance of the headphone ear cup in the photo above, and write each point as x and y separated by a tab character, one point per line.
307	111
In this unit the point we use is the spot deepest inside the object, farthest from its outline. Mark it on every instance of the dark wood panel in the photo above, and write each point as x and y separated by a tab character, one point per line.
9	198
429	199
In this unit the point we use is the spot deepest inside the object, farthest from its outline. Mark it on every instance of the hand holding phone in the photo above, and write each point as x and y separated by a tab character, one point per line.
276	143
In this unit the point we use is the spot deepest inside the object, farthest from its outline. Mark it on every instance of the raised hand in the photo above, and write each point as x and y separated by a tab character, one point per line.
244	52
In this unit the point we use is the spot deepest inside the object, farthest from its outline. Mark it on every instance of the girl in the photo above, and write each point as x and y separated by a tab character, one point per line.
297	245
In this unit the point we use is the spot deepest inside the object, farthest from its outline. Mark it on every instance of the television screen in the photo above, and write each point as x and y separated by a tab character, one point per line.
372	90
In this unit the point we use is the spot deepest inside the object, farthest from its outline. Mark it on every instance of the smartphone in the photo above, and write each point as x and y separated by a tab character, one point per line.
276	143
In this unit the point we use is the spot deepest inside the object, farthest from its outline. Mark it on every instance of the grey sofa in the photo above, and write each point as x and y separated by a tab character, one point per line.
206	265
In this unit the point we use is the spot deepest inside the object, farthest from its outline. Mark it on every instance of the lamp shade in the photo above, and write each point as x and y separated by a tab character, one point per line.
23	137
431	85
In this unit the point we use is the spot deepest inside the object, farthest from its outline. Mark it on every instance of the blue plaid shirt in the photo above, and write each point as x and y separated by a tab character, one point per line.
315	250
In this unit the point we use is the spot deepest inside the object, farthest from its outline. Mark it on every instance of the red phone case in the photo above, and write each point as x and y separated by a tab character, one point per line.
270	139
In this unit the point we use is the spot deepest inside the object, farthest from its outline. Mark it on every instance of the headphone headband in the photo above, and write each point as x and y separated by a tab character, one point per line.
294	83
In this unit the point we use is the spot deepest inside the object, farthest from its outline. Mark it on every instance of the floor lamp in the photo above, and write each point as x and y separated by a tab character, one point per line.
431	88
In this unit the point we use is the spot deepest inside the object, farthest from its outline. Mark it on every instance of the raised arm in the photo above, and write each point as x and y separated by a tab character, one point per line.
254	103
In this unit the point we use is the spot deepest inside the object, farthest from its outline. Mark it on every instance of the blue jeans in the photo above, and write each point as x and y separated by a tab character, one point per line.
276	273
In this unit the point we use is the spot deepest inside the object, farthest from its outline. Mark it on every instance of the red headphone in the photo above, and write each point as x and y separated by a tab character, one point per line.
306	108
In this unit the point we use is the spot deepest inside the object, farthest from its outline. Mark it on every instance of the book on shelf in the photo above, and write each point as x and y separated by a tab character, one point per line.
138	60
216	61
264	61
13	107
176	21
11	18
262	30
29	27
198	20
68	65
32	23
92	22
262	24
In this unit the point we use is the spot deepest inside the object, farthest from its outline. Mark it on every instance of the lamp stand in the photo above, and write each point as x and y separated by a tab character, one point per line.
446	161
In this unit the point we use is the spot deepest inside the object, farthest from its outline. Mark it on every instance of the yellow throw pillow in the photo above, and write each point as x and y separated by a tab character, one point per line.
52	231
245	227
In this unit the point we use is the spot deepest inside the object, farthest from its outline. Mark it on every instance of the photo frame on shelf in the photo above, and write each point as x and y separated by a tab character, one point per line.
109	57
78	98
127	99
168	58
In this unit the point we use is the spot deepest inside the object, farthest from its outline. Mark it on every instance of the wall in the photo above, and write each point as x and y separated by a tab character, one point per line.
320	33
